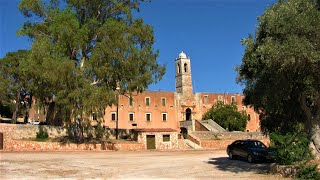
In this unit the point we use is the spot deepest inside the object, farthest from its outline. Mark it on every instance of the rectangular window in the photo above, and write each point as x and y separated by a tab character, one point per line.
249	117
166	138
205	99
148	116
233	99
147	101
163	102
94	117
220	98
164	116
130	101
113	116
131	116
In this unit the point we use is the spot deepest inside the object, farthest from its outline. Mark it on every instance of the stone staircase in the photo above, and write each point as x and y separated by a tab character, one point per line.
192	144
212	126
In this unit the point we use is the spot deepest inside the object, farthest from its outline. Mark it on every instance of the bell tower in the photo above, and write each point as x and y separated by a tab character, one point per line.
183	75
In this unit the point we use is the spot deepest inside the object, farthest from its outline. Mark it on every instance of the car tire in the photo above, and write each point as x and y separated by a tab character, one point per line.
231	156
250	158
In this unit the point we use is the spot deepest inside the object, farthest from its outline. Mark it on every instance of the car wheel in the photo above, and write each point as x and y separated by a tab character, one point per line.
249	158
231	155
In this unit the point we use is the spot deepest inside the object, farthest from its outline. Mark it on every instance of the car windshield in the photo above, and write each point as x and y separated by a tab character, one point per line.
256	144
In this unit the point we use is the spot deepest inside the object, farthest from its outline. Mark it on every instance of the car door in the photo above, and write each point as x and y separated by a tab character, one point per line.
236	148
243	149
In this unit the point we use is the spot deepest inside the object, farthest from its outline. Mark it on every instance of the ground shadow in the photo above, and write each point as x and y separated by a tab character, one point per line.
238	166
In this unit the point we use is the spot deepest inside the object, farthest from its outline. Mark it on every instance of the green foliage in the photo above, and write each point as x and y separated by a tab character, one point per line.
227	116
99	131
13	82
291	148
81	52
280	66
5	111
42	135
308	172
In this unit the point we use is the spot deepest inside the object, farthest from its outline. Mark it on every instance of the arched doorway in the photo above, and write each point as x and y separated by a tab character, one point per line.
184	132
188	114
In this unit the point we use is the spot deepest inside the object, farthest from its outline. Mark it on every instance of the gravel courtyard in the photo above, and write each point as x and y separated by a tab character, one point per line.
128	165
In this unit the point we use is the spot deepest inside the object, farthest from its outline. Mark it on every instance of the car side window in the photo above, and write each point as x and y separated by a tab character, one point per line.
243	143
237	143
259	144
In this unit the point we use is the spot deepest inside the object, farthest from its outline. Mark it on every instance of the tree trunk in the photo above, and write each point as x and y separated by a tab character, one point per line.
50	117
312	125
315	140
16	109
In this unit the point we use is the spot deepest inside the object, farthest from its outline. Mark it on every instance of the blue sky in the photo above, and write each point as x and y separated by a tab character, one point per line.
209	31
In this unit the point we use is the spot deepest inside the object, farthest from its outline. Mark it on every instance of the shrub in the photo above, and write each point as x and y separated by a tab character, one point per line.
291	148
99	131
42	135
227	116
308	172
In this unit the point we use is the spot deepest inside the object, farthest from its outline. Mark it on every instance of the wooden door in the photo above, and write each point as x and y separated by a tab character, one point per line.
151	142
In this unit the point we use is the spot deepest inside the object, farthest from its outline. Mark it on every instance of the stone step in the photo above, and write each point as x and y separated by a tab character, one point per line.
192	144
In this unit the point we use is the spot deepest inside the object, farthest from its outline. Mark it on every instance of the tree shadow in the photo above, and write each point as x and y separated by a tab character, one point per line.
238	166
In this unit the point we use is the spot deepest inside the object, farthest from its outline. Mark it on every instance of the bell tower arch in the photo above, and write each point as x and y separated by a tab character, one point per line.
183	75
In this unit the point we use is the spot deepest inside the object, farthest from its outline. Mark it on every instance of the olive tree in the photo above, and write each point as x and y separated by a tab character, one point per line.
280	69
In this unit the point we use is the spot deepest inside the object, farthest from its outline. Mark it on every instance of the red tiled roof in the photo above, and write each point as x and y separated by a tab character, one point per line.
155	130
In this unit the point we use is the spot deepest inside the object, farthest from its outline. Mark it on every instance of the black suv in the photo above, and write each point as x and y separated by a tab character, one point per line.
251	150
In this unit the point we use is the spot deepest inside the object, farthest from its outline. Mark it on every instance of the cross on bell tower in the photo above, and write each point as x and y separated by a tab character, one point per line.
183	75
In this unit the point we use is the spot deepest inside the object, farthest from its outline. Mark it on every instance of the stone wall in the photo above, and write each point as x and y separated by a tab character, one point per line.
23	145
223	144
208	135
13	132
20	145
124	146
221	140
14	135
26	131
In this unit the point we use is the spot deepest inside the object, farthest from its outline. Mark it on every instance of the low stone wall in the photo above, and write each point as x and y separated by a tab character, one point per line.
13	135
285	171
13	132
223	144
126	147
23	131
208	135
211	140
19	145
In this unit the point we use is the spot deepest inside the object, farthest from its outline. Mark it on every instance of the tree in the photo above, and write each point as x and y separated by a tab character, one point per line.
14	82
82	50
280	68
227	116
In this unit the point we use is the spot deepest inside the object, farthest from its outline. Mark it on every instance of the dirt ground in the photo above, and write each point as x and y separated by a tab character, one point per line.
128	165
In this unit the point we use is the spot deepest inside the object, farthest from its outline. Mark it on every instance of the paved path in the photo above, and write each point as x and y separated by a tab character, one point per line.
128	165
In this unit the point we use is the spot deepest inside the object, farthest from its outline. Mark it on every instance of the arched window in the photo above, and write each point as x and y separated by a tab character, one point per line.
185	67
188	114
163	102
178	68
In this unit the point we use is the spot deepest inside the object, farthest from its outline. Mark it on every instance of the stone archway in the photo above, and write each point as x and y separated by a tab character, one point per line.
184	132
188	114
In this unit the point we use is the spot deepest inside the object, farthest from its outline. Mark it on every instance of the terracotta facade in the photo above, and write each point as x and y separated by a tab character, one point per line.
160	109
146	110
